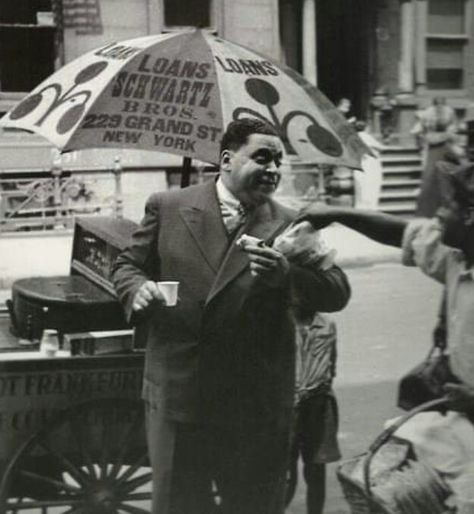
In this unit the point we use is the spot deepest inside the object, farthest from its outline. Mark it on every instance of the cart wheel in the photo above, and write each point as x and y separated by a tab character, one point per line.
91	460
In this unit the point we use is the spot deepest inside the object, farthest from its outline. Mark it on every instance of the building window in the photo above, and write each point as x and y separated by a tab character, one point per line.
446	16
444	64
189	13
27	44
446	40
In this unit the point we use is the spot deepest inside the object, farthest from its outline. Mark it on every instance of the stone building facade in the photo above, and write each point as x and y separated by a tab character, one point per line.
389	57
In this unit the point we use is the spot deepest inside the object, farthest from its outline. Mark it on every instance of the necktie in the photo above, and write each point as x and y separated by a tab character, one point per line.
233	219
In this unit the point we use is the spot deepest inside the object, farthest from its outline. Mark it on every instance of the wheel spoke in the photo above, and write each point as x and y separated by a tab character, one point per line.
133	497
62	486
75	510
108	452
78	434
104	454
136	482
128	436
133	510
133	468
77	473
38	504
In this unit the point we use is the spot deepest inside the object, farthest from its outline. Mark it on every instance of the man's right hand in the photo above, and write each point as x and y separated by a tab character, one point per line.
146	295
318	214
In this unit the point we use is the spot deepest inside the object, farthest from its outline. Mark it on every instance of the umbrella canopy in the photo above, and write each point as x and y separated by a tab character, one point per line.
176	93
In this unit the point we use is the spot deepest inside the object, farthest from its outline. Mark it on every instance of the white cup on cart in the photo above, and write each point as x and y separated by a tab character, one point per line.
49	344
169	290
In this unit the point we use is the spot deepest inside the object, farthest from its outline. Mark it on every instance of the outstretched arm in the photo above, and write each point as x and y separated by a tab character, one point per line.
383	228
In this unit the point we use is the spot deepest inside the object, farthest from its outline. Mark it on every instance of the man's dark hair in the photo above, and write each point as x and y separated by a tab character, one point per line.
238	132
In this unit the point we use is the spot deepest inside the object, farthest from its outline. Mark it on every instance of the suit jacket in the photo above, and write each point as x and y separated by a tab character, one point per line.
225	353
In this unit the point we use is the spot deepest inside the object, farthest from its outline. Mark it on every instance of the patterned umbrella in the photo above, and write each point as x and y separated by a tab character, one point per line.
176	93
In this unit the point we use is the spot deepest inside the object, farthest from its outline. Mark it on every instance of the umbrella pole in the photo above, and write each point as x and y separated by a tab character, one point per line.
186	172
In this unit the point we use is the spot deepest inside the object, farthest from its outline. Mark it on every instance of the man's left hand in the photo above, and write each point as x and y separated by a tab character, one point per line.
269	265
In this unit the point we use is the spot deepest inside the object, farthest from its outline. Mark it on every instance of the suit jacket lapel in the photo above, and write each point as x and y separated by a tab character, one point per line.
204	222
263	223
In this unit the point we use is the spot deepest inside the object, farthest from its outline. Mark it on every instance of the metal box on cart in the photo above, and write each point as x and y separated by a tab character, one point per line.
82	301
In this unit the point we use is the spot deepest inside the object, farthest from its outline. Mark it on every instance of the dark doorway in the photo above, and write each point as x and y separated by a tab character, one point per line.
27	43
345	32
291	26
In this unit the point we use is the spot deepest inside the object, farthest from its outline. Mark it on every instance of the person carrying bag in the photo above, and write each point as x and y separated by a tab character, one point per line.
426	381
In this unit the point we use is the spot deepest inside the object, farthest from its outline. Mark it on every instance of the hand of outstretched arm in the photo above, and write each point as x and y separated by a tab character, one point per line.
383	228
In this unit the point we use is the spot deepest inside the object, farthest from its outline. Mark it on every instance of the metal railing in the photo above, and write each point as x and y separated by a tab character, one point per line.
49	199
41	199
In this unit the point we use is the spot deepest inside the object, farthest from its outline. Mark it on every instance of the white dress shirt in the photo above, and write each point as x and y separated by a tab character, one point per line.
233	214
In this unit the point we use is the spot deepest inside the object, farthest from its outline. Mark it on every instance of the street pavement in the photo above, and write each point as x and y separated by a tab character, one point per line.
354	249
384	331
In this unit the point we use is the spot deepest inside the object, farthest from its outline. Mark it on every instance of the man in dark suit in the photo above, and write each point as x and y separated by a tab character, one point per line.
219	367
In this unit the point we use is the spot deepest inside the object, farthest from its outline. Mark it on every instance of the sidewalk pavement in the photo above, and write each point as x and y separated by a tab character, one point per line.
4	295
354	249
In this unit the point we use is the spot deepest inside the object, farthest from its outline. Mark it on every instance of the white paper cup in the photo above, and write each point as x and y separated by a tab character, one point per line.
49	343
169	290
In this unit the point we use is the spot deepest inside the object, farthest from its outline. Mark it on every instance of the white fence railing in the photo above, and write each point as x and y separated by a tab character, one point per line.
39	199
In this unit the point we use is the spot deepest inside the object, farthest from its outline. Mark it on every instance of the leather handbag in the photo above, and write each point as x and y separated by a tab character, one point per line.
425	381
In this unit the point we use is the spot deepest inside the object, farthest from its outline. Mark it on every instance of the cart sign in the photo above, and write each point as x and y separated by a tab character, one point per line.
33	393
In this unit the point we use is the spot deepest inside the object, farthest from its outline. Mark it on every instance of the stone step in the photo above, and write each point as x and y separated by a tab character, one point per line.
399	159
405	194
390	182
389	156
405	208
400	149
403	169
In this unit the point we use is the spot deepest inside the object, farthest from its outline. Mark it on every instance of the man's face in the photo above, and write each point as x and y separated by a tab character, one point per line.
251	173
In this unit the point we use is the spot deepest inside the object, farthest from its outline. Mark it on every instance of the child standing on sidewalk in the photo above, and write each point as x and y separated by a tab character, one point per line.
316	414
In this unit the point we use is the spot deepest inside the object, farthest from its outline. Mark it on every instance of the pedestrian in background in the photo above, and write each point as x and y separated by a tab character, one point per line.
344	106
434	123
219	366
434	130
433	188
368	181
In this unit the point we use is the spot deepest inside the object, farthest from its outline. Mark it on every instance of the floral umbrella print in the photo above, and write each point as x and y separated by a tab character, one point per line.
176	93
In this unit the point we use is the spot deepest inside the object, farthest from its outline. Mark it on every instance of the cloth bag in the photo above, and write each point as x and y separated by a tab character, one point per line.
425	381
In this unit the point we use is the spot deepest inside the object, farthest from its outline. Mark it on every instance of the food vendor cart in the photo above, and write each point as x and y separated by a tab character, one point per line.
72	436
